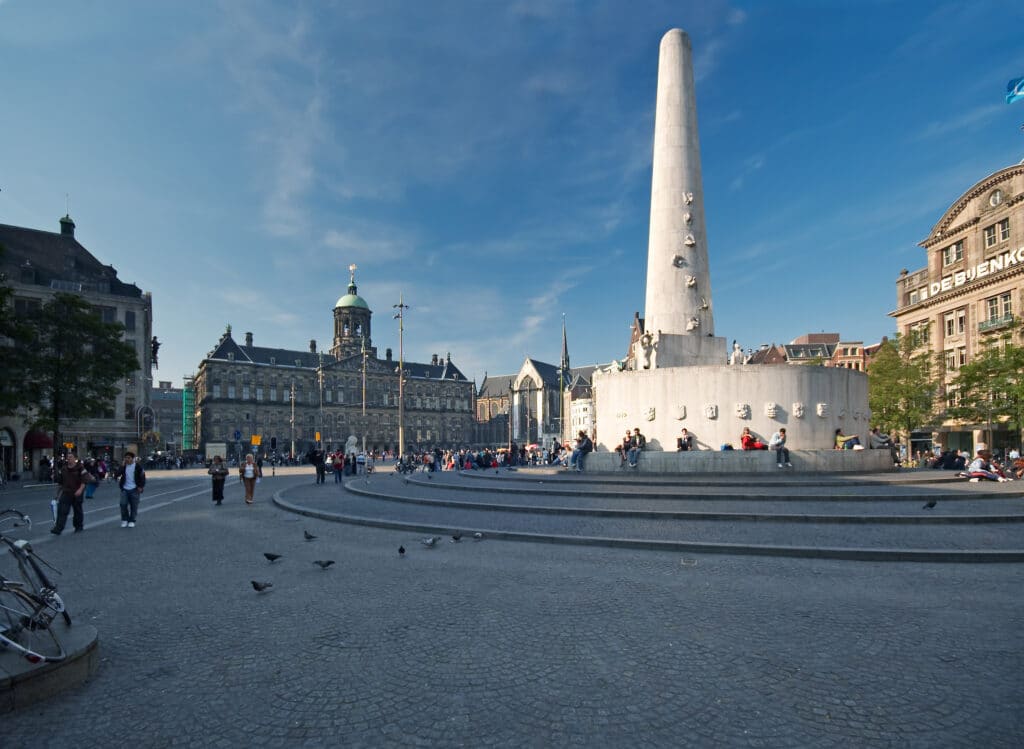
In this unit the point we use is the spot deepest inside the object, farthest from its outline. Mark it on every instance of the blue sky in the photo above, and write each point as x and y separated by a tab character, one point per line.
491	160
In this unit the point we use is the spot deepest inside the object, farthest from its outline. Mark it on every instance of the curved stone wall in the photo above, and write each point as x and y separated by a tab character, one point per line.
715	402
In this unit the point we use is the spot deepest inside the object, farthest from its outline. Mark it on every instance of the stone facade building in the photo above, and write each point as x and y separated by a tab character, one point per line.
36	265
971	291
285	397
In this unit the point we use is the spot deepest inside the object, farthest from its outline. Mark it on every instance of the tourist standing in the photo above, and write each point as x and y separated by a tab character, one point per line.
132	480
219	472
72	479
250	474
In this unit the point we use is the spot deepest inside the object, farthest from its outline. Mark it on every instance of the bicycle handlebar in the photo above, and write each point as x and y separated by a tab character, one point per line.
18	517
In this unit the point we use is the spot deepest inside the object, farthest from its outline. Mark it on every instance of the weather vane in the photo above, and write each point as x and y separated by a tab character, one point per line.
352	273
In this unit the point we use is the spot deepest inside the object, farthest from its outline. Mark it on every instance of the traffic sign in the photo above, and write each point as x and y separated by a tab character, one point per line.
238	434
318	436
256	440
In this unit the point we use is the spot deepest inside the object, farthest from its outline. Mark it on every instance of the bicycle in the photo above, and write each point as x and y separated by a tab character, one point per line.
29	606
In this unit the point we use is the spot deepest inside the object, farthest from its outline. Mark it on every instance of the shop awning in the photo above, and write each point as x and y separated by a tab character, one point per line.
37	441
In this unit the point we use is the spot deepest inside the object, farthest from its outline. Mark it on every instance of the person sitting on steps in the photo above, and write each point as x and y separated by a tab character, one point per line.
637	444
584	445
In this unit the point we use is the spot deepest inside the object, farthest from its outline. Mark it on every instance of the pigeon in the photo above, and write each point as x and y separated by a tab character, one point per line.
309	536
261	587
324	563
401	551
430	477
456	537
929	504
430	541
271	557
478	536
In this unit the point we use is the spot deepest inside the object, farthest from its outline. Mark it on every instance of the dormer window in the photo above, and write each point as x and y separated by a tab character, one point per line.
273	360
298	362
231	356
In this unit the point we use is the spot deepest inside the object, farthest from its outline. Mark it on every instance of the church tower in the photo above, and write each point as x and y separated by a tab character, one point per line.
352	323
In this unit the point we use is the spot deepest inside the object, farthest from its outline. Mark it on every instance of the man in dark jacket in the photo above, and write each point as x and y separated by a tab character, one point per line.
132	480
72	478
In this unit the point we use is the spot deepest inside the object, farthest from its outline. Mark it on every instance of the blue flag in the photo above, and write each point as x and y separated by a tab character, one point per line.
1014	90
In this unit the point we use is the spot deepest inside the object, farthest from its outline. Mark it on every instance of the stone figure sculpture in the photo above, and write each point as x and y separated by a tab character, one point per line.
688	217
680	412
692	324
822	410
688	198
690	240
798	410
647	346
743	410
649	413
771	410
737	354
691	281
710	411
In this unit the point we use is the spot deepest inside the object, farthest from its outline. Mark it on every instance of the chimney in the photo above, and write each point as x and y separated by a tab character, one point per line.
248	340
433	360
387	355
67	227
312	345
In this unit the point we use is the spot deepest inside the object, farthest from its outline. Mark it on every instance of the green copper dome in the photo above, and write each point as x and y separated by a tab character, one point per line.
352	299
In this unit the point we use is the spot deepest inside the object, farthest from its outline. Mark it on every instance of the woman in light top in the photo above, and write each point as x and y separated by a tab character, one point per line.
250	473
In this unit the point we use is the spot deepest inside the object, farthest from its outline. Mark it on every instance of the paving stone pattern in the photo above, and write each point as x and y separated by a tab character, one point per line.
515	644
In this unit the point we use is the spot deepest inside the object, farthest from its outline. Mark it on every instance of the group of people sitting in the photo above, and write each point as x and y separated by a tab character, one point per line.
985	468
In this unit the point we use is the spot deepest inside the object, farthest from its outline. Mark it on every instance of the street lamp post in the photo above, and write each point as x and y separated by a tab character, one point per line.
320	380
292	419
364	395
400	316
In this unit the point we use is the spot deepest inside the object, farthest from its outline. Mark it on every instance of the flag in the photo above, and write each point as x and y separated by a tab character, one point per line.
1014	90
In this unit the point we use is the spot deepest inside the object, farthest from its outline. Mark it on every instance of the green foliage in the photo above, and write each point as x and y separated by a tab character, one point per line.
72	363
991	387
14	333
902	385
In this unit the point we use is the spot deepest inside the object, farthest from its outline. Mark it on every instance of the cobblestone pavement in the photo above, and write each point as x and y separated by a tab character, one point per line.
514	644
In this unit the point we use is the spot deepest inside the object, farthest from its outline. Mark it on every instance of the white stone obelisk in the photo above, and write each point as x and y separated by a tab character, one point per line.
678	310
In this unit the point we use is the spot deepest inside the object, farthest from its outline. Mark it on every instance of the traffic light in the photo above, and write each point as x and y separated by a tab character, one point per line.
273	443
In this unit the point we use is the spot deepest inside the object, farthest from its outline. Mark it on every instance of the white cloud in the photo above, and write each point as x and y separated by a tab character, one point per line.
971	118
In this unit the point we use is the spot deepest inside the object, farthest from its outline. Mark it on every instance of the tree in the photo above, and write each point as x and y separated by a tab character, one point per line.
991	386
73	363
902	384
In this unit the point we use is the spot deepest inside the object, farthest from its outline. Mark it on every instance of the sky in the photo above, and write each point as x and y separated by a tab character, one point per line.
489	162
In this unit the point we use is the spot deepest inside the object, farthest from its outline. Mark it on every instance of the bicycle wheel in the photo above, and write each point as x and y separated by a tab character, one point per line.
25	622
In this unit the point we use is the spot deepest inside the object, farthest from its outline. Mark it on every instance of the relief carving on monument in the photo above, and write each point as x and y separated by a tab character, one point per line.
743	410
710	411
737	354
692	324
688	217
690	240
649	413
691	281
822	410
688	198
771	409
798	410
680	412
703	304
646	348
679	261
842	413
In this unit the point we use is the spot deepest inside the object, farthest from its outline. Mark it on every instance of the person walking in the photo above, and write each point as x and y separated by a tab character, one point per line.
219	473
250	474
72	479
778	444
132	480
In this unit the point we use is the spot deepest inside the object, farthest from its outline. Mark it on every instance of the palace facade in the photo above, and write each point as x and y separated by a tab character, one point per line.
264	400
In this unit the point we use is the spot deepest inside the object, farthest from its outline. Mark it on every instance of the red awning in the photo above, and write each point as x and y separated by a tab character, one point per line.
37	441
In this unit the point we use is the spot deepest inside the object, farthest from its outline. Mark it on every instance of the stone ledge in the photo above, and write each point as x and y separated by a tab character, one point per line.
22	683
743	461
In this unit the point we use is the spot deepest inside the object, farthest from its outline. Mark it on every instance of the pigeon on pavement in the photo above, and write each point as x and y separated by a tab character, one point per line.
309	536
401	551
478	536
323	563
271	557
930	504
261	587
456	537
430	541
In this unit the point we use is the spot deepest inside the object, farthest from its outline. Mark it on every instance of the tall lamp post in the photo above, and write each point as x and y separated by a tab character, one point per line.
364	394
400	316
320	381
292	419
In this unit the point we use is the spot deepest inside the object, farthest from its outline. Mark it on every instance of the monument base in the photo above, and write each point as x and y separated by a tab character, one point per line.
715	403
742	462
